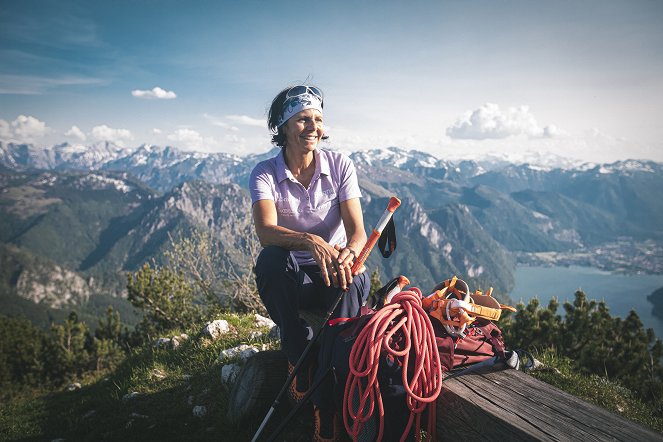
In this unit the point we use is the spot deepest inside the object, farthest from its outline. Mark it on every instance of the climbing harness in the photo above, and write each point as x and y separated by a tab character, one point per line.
456	308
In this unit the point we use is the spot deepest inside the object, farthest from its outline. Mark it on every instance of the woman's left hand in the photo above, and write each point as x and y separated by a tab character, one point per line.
346	258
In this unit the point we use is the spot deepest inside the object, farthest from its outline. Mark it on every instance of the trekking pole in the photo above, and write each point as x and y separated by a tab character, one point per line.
359	262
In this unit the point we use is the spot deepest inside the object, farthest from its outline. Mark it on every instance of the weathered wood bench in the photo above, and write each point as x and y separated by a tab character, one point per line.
487	404
509	405
494	405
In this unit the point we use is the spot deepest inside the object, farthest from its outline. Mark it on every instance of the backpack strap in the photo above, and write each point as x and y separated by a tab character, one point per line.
494	336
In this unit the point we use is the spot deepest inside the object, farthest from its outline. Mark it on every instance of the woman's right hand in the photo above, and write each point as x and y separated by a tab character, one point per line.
326	256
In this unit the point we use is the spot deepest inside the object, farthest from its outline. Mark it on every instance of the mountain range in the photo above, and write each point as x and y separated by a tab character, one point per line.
75	219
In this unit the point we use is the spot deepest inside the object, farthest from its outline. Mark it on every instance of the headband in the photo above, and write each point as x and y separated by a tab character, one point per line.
298	103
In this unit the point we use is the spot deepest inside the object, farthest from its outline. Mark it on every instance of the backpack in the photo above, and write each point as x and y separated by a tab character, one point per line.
480	342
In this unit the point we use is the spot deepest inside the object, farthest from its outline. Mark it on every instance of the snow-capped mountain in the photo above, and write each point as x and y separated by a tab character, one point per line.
102	210
61	156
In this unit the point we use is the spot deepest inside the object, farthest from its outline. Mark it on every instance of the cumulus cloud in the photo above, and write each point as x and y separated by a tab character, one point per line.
76	133
156	131
117	136
155	92
5	130
27	127
24	129
191	139
490	122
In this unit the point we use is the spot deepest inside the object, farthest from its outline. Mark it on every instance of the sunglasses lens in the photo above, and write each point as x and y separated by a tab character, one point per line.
299	90
295	91
316	92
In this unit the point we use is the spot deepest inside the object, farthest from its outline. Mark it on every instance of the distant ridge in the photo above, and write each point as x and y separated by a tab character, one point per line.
99	211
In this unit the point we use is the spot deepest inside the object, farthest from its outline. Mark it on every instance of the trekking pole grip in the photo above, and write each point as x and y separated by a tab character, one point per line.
394	203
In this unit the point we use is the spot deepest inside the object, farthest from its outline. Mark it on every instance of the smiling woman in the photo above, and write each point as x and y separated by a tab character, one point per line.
308	218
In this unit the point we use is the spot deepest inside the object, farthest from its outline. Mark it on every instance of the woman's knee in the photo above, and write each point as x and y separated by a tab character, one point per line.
363	284
272	260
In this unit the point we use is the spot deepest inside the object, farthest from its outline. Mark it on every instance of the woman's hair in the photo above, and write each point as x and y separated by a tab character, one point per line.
273	117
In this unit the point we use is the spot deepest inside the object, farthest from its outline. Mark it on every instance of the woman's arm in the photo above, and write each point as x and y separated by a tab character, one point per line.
353	221
271	234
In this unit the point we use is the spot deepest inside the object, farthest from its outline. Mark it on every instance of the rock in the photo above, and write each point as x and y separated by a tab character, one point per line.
261	321
216	328
274	333
199	410
229	373
243	352
189	400
162	343
255	335
537	365
74	386
130	396
175	341
540	366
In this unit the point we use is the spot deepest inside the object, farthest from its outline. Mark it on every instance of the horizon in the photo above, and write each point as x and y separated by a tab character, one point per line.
582	81
532	159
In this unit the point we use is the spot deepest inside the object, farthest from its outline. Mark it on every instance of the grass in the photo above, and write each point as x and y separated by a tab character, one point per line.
171	382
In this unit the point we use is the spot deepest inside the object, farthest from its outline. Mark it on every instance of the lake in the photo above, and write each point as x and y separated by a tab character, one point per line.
621	293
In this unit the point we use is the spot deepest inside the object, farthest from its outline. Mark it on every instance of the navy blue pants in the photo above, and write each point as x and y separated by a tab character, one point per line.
285	288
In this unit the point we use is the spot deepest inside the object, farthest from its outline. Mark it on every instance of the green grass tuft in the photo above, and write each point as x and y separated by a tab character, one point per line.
170	382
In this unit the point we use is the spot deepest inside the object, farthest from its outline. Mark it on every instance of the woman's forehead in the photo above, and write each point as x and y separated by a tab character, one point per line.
308	113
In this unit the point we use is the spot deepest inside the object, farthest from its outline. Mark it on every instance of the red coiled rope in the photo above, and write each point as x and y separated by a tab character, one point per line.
403	329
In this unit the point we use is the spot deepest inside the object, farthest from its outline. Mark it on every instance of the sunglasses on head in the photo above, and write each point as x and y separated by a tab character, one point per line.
301	90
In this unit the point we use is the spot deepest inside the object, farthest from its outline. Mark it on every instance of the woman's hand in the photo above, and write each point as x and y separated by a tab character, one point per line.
346	259
333	270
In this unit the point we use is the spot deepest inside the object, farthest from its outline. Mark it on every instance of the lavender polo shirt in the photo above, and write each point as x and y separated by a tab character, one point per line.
314	210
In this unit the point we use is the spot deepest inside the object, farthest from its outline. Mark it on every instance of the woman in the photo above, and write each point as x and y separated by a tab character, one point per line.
308	218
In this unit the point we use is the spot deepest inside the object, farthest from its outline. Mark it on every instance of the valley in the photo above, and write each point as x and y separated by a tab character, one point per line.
75	219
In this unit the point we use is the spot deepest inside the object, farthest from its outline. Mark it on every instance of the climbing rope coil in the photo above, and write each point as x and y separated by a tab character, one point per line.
401	329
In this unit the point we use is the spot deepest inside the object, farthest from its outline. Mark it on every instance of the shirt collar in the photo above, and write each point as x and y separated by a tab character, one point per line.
283	173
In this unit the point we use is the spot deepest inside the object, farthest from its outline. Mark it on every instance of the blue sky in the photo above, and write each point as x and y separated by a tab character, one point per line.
471	78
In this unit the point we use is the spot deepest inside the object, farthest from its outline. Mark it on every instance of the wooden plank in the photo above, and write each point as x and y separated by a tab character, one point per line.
510	405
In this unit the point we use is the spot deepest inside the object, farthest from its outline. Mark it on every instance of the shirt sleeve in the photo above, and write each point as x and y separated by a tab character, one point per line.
349	187
260	184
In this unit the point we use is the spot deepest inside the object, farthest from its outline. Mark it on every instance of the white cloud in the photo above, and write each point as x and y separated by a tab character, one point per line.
29	128
76	133
228	122
216	121
156	131
246	120
155	92
5	130
24	129
105	133
191	139
489	122
36	85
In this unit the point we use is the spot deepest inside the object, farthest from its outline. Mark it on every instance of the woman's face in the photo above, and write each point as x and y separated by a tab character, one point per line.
303	131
